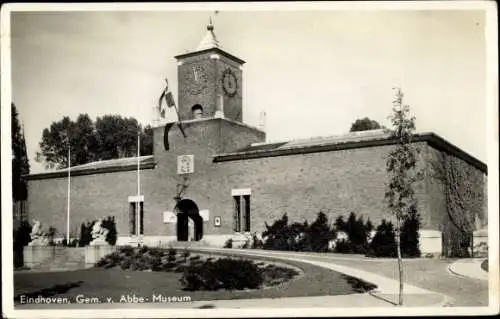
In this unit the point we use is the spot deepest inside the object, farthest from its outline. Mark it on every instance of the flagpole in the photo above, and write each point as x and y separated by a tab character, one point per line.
138	214
69	193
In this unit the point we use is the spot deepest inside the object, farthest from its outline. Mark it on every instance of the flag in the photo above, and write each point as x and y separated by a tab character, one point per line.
166	144
165	136
160	100
169	100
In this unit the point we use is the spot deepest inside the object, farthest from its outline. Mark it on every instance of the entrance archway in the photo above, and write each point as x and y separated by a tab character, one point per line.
186	209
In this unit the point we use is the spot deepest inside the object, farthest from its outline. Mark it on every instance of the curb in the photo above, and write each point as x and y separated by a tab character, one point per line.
461	275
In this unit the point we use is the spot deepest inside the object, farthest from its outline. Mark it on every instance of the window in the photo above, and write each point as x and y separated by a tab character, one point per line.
133	220
197	111
241	213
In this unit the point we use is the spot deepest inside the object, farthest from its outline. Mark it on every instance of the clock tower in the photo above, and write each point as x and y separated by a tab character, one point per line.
210	81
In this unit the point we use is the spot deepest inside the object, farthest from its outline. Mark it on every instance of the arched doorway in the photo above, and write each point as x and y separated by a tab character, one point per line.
187	210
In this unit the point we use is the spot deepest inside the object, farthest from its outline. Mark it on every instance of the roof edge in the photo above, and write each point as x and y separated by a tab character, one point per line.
218	50
89	171
430	138
206	119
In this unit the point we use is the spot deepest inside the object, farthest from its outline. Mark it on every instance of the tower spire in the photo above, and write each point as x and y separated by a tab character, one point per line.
209	41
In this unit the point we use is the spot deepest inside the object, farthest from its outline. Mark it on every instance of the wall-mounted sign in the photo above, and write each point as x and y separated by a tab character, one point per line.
169	218
205	215
241	191
217	221
135	199
185	164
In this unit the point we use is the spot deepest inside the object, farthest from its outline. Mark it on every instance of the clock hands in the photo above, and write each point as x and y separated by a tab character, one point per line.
195	73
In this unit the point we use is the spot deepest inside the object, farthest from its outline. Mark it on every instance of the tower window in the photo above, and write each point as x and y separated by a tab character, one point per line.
197	111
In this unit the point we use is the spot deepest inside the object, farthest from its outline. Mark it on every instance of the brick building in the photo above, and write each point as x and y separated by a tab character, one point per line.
238	181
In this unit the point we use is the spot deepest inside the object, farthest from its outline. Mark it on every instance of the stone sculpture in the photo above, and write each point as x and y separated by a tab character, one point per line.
99	234
38	238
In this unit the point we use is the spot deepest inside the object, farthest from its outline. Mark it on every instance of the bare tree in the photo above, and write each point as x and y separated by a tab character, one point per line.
401	167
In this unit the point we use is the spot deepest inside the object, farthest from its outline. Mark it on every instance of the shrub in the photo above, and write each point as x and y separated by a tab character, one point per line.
185	255
228	243
73	242
127	250
256	242
320	233
357	232
172	254
409	234
86	233
278	235
50	235
225	273
383	243
21	238
299	236
110	224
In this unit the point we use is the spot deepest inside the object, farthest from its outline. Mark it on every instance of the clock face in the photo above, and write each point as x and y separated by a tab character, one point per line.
196	78
229	83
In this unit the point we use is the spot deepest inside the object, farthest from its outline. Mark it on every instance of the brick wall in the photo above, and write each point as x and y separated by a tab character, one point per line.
92	196
335	182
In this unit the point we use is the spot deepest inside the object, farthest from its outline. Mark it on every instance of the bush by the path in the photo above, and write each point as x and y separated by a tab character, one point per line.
143	258
357	231
383	243
484	265
298	236
409	234
199	273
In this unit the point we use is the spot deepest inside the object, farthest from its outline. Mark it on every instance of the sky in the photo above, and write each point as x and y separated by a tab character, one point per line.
313	72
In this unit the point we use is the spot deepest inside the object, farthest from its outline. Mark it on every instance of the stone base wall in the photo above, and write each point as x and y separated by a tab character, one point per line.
36	255
94	253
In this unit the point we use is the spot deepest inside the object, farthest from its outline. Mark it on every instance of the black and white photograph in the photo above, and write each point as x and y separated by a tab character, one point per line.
249	159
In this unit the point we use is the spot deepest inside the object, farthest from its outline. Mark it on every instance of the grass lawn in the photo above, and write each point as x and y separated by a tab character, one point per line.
113	283
484	265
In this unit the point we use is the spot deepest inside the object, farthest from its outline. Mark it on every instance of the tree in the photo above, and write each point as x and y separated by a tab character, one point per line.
401	168
278	235
320	233
409	233
383	243
109	137
364	124
20	164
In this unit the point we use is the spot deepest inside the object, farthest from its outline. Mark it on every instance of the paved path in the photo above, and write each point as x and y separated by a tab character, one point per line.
421	273
470	268
387	288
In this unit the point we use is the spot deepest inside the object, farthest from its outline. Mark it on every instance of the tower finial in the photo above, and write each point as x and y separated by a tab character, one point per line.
210	25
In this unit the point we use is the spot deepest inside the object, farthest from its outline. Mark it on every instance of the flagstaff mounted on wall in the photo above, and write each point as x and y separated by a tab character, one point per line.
169	101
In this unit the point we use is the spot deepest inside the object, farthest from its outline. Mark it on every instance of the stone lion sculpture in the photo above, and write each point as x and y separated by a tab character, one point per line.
38	238
99	234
